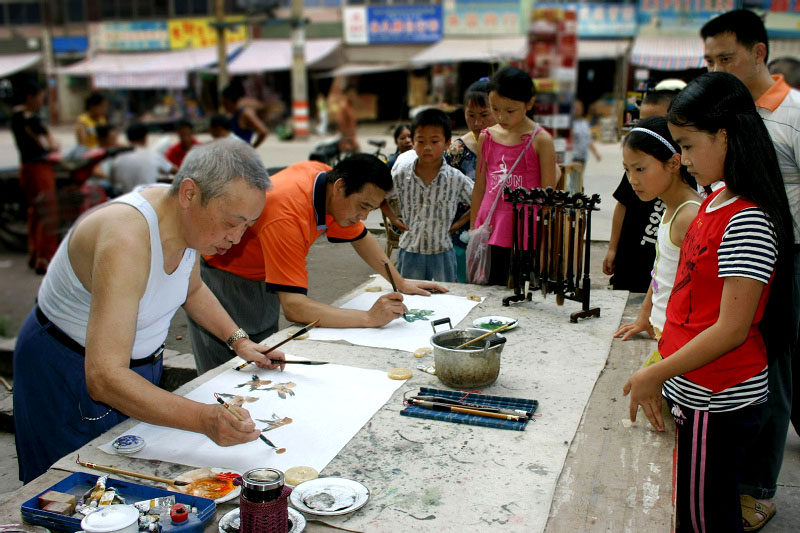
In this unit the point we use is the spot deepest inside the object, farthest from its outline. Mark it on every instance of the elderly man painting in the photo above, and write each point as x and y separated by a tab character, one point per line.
89	353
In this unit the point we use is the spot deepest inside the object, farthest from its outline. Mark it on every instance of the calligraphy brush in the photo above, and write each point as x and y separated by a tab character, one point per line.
302	331
227	406
476	339
391	279
490	408
454	409
129	473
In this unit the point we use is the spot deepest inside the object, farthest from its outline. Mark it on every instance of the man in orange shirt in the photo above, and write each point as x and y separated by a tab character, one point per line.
268	267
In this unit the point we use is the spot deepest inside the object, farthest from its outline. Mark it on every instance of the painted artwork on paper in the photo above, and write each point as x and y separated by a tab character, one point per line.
404	333
238	401
274	423
254	383
312	426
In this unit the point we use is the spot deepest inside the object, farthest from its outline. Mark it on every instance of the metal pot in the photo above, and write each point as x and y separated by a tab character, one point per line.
476	365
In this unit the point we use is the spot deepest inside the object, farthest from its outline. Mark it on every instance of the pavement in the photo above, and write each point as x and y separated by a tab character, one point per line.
334	271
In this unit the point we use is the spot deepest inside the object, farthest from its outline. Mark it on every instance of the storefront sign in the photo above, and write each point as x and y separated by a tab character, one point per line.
199	33
679	17
392	24
482	17
355	25
597	20
129	36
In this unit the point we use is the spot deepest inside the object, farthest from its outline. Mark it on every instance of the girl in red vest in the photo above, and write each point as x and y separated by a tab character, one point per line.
725	307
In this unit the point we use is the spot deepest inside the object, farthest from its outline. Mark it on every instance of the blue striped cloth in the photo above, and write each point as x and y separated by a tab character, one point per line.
473	420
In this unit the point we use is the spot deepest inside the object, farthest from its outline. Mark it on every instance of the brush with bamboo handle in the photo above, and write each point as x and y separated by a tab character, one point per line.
302	331
113	470
476	339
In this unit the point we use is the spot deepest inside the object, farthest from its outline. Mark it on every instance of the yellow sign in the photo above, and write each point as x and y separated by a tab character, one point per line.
200	33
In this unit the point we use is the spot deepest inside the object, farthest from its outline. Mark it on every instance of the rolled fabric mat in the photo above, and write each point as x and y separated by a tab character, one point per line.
473	420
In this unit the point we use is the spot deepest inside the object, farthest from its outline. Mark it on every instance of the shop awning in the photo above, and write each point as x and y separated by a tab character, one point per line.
452	50
14	63
270	55
152	70
667	53
362	69
594	49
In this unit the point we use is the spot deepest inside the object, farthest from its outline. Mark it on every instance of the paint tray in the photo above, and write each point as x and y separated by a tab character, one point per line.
79	482
473	420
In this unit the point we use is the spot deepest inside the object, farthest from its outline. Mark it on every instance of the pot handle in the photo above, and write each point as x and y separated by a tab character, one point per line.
441	321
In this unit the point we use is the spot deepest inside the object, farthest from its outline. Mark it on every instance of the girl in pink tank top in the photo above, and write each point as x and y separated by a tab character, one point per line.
511	96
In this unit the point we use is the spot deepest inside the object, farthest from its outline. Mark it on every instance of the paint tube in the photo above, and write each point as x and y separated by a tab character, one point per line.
155	505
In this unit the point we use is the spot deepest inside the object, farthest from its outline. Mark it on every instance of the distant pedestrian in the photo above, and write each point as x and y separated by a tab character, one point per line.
582	140
403	142
347	122
186	141
219	127
515	137
428	191
322	114
36	175
244	121
787	66
142	166
95	115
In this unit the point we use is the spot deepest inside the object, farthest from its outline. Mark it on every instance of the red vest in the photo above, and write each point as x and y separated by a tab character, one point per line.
694	303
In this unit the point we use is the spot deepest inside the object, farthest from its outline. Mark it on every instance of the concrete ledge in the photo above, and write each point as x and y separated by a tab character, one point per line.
7	355
6	409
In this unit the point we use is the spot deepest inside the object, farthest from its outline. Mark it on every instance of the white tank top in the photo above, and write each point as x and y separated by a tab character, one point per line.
65	301
665	268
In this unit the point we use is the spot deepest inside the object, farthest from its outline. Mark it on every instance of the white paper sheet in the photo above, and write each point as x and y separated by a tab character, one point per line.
400	334
330	404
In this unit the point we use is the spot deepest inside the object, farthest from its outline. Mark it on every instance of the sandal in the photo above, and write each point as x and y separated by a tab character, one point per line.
755	514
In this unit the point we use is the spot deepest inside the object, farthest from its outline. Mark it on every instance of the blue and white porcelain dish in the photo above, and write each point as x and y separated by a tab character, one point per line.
128	444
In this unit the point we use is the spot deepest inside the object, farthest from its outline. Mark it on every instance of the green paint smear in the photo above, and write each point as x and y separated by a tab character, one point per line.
417	314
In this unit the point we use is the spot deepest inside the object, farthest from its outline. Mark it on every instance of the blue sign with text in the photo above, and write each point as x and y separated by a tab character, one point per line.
404	24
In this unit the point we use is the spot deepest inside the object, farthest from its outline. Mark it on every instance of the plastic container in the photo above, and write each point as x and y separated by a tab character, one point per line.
79	482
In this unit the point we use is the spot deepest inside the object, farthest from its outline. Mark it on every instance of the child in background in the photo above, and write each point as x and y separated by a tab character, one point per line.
729	300
428	190
186	142
462	153
403	141
582	139
634	225
511	97
652	163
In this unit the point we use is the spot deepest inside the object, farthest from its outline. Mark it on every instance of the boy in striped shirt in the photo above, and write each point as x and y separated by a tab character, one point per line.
428	191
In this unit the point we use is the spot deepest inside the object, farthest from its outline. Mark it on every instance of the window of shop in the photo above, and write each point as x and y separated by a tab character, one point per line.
146	9
234	6
24	13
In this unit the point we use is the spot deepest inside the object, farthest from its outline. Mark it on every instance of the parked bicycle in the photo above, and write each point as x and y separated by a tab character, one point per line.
330	151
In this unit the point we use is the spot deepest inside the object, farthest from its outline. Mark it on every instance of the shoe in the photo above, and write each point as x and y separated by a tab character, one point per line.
755	514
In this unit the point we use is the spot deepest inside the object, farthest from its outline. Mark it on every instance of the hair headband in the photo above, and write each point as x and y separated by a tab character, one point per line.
657	136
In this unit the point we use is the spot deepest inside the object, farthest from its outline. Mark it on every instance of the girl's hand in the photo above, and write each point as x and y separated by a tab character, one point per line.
645	390
626	331
608	262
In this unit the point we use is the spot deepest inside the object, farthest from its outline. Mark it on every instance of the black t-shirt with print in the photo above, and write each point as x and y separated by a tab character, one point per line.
636	250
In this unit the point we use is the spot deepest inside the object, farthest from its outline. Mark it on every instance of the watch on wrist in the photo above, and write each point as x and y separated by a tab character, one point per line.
238	334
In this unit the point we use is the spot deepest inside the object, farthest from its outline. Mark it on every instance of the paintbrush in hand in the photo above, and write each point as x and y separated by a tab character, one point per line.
391	279
302	331
227	406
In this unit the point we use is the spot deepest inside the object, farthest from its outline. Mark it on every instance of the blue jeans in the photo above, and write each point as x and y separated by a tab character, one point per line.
53	412
435	267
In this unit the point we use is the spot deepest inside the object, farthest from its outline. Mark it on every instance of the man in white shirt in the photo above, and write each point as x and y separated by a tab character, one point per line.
142	165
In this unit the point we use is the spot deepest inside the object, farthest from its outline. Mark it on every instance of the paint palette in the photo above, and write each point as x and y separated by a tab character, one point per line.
230	522
212	483
493	322
329	496
128	444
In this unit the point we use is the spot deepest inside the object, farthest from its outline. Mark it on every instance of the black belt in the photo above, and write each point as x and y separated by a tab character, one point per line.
73	345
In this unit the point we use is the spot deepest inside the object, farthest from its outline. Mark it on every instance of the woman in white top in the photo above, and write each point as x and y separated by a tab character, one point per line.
652	163
89	353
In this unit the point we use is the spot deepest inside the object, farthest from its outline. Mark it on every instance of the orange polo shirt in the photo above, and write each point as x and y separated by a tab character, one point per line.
274	249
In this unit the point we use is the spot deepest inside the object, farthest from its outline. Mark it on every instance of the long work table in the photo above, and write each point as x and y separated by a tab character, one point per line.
578	466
